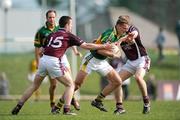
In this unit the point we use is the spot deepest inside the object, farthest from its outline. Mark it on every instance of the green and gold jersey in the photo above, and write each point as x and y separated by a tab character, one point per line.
109	36
42	34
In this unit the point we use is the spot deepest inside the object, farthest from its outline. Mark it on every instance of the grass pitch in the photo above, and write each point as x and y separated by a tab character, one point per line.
160	110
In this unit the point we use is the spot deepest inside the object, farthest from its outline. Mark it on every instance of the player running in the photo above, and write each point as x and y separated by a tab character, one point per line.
138	63
96	61
40	37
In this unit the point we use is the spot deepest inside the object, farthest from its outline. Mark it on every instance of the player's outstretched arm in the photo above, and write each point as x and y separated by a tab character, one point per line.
92	46
112	53
108	53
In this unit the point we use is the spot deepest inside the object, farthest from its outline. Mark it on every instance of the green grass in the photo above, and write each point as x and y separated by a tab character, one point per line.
160	110
16	68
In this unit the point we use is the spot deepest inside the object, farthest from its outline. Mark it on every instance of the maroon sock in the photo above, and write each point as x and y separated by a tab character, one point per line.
119	105
66	108
146	99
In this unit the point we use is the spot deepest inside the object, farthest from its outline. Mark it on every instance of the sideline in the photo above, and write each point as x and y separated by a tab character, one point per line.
82	97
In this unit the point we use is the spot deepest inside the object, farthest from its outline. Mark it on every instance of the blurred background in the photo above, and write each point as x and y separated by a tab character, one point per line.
20	20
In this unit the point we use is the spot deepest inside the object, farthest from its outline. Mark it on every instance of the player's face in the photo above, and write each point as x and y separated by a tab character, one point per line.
122	28
70	26
51	18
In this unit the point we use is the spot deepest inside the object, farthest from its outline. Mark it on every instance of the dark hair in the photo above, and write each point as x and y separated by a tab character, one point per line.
64	20
123	19
49	11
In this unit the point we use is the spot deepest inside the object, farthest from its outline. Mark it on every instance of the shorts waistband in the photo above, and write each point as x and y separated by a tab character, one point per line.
50	57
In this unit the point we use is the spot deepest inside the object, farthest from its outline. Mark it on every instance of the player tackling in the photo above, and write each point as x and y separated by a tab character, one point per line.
56	45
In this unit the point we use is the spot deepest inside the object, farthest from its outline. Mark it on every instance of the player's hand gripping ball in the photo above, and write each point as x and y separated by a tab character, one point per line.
116	50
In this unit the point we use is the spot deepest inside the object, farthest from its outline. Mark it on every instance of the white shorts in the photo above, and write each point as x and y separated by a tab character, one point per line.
90	63
142	62
50	65
64	61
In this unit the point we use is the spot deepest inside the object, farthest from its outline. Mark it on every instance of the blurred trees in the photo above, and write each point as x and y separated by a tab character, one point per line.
163	12
50	3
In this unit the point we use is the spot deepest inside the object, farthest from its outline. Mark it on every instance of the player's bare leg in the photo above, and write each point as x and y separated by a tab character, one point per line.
68	93
139	75
74	102
118	93
27	94
79	80
52	88
114	82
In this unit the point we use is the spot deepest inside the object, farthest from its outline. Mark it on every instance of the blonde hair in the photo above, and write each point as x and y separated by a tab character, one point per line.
123	19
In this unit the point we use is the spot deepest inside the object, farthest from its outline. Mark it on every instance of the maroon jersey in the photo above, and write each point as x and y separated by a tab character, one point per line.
134	49
58	42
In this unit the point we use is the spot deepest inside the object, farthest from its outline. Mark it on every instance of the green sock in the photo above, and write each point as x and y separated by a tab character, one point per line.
60	103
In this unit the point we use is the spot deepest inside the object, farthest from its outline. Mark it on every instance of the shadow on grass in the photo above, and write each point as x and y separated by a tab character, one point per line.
27	114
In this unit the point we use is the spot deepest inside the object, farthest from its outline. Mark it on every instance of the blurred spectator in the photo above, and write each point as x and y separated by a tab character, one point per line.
160	39
117	63
178	31
151	86
4	89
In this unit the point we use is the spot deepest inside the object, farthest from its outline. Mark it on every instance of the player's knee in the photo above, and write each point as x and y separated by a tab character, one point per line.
115	79
138	78
118	82
77	85
71	85
53	86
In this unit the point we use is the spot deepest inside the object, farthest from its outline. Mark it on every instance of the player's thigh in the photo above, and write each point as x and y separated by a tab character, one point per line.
113	77
42	67
53	81
140	73
103	67
65	62
124	74
81	76
38	80
66	79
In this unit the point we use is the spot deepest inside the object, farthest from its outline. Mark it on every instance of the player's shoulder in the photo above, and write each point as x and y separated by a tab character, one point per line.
57	27
41	29
107	31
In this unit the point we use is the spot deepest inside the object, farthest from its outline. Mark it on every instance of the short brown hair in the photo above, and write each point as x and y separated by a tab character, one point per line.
123	19
49	11
64	20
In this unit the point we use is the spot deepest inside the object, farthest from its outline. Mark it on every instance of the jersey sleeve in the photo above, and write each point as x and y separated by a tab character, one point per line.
132	28
105	36
75	40
37	38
